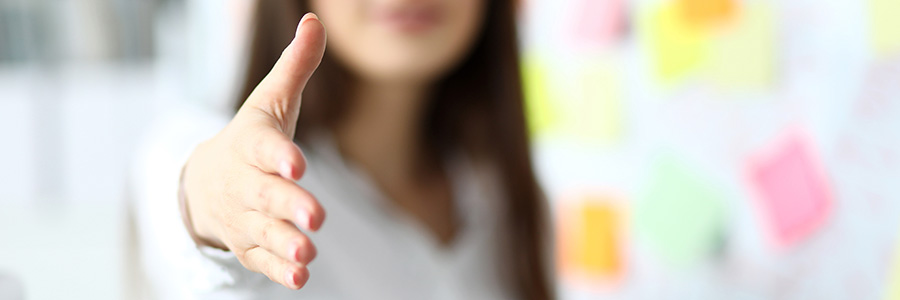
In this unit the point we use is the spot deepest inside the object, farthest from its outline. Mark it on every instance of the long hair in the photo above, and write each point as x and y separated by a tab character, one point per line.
477	107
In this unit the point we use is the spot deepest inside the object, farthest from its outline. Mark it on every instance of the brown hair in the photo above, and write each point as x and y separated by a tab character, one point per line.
478	107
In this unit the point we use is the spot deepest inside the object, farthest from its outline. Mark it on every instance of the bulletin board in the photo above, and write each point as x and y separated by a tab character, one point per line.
718	148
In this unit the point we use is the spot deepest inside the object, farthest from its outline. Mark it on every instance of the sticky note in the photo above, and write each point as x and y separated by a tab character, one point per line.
681	214
541	113
893	286
706	14
599	110
885	26
744	52
792	189
590	239
677	47
598	22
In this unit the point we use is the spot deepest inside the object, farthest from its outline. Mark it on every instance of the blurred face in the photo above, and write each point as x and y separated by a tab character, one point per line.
400	40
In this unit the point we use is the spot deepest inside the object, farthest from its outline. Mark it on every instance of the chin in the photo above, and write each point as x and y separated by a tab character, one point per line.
407	69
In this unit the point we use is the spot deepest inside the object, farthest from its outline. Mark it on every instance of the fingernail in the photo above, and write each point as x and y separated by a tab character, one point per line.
300	24
308	15
286	170
289	278
303	219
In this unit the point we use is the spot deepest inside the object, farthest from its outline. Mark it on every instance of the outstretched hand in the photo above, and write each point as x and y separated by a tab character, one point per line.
239	186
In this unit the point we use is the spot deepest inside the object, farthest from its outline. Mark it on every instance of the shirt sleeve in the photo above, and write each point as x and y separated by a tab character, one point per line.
172	266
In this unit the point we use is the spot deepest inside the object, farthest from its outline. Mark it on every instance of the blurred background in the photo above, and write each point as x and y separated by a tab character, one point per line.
697	149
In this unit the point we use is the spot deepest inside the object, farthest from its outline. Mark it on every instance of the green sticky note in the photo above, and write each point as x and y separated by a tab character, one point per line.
680	214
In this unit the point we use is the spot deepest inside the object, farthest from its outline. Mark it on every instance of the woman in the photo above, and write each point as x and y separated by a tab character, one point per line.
413	139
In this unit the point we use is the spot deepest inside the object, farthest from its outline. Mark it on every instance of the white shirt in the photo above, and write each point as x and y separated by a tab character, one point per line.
367	248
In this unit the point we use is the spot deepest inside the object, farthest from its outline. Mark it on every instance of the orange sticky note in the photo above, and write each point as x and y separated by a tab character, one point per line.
707	14
590	229
792	189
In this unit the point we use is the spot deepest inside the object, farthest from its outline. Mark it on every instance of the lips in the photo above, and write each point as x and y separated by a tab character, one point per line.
410	18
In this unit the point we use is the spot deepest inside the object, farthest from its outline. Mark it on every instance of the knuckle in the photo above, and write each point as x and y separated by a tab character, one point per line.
257	149
231	227
241	256
267	231
264	196
271	108
263	191
250	262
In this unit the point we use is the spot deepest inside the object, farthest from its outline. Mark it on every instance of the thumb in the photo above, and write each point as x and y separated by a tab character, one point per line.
278	94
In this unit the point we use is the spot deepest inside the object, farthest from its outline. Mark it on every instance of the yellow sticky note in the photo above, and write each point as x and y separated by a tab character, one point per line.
893	288
540	111
589	239
599	108
676	46
885	26
744	52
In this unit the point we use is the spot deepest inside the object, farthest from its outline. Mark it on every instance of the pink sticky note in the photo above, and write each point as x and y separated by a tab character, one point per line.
792	189
599	22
